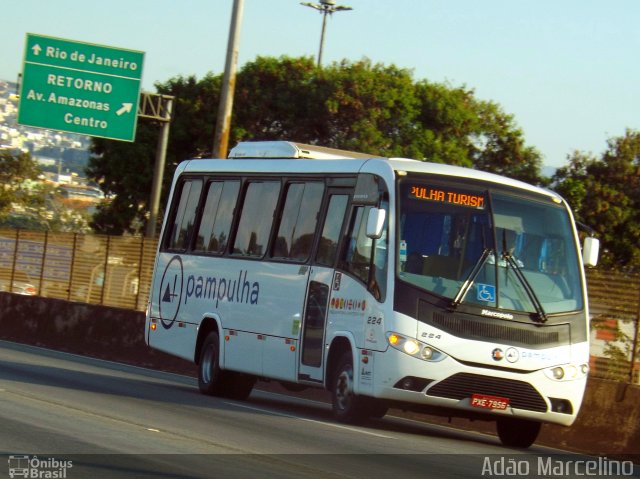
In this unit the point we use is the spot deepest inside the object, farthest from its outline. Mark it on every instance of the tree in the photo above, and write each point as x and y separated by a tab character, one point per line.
605	195
18	173
358	106
30	204
124	170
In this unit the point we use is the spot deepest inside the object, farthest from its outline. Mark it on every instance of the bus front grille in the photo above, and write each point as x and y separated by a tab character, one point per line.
531	335
521	395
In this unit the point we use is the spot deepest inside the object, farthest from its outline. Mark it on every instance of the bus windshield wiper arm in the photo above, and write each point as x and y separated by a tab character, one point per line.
533	297
468	282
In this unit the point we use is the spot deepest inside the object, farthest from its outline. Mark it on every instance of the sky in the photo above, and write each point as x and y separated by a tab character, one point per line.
567	70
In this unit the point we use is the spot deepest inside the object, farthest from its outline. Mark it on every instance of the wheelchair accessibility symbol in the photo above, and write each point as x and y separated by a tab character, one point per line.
486	293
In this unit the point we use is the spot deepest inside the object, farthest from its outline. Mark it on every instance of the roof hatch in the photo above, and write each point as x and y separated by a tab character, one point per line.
289	149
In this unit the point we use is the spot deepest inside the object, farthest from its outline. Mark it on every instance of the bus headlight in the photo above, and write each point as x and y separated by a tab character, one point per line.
567	372
414	348
411	347
427	353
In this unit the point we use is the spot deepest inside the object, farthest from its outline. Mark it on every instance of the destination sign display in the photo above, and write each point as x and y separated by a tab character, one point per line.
80	87
446	195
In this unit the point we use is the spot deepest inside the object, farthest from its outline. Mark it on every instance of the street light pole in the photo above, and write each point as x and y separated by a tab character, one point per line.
325	7
223	123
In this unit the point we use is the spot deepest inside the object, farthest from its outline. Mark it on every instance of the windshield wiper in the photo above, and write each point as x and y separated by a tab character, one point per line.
511	261
533	297
471	277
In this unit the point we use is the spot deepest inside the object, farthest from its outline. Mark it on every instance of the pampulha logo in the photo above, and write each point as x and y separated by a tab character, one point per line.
33	467
220	289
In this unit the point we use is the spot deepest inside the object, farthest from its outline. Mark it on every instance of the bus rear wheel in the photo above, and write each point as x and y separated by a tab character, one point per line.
520	433
347	406
210	376
237	385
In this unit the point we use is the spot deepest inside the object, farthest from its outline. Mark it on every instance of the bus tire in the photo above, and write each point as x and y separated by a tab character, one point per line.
210	376
238	386
347	406
520	433
376	408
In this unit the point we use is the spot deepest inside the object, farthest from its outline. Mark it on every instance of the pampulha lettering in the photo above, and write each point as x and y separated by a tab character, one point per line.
221	289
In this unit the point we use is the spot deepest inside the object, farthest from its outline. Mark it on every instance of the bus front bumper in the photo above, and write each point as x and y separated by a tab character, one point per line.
456	389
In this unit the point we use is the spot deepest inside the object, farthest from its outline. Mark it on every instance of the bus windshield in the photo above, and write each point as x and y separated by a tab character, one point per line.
489	248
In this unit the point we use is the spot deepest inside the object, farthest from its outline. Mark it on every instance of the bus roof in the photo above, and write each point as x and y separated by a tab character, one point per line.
291	150
291	157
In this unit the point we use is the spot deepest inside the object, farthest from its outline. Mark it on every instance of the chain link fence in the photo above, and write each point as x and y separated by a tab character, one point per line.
116	271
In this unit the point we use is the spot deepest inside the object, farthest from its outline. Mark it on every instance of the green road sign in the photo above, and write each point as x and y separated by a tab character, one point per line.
80	87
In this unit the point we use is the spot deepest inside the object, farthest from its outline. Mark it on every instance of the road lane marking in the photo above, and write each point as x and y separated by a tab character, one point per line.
338	426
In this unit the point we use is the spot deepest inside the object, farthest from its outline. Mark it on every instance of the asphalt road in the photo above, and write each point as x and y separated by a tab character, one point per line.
113	420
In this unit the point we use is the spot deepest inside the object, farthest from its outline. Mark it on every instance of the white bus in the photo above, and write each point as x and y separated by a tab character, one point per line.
386	281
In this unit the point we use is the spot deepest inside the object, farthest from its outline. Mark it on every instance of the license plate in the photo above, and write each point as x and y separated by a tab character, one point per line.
489	402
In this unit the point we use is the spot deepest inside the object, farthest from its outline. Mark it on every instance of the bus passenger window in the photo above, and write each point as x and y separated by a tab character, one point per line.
299	219
256	218
184	216
331	230
217	216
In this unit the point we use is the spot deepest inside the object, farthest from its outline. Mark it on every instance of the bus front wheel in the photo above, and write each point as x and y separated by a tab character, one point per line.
210	376
347	406
519	433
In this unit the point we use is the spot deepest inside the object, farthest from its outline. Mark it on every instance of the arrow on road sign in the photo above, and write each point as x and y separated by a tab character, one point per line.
126	108
36	49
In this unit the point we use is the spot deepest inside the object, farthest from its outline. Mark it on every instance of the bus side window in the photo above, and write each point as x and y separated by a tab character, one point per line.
256	218
366	258
299	220
184	215
217	216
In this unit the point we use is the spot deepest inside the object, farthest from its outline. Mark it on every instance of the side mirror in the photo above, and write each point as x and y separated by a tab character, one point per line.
375	223
590	250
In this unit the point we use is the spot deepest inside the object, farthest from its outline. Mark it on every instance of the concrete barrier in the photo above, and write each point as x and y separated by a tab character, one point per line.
608	423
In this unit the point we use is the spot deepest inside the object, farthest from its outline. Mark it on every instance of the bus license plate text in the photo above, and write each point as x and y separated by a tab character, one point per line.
489	402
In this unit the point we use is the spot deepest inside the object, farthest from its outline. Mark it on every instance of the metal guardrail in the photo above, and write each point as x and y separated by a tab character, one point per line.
116	271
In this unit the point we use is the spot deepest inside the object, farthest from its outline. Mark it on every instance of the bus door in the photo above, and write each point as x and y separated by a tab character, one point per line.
319	286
